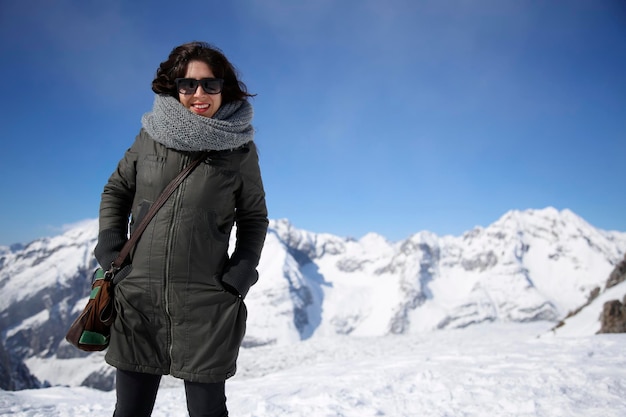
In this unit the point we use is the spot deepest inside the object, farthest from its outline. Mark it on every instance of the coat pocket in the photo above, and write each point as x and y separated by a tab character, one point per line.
211	333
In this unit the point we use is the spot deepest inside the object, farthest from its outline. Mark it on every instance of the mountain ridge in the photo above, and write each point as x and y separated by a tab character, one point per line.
527	266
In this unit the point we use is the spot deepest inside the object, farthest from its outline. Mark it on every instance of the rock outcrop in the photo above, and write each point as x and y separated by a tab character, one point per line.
613	316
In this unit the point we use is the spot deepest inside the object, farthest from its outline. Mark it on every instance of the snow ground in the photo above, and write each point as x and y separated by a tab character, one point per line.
500	370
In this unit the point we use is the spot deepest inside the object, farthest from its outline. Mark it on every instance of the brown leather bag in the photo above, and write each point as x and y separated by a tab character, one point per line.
92	328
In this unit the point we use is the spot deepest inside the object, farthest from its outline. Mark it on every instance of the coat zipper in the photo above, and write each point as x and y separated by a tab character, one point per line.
168	249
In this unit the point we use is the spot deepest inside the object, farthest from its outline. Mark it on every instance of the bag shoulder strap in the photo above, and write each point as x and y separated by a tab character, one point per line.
158	203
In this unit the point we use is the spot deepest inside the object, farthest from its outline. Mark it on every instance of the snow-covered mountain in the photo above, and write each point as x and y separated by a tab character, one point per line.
527	266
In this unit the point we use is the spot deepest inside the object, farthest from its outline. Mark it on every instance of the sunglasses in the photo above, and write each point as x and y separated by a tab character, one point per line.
188	86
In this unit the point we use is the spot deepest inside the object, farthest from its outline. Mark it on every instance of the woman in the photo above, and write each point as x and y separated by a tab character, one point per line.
179	301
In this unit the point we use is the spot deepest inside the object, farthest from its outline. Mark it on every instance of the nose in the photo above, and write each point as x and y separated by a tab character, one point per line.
199	91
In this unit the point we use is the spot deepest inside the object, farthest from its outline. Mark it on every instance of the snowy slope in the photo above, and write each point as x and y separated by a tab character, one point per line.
499	370
587	320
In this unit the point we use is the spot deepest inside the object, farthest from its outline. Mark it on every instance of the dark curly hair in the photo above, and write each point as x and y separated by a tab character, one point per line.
176	67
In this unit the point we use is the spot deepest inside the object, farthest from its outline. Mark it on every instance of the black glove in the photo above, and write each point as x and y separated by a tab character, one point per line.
240	274
110	243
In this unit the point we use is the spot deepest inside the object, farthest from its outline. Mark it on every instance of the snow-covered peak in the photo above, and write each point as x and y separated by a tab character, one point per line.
527	266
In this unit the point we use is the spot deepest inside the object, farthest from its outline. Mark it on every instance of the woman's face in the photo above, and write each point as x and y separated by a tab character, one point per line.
200	102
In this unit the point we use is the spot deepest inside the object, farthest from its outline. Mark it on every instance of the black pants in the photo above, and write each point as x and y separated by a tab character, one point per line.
136	393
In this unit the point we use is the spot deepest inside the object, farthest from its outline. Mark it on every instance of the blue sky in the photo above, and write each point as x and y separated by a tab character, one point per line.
391	116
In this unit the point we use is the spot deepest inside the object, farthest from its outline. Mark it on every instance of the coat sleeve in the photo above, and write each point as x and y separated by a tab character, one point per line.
251	220
115	208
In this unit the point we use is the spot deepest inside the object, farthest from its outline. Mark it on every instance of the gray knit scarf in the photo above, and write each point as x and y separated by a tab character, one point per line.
175	126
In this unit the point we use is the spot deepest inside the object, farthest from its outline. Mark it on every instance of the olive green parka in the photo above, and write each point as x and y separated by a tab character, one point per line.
180	305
